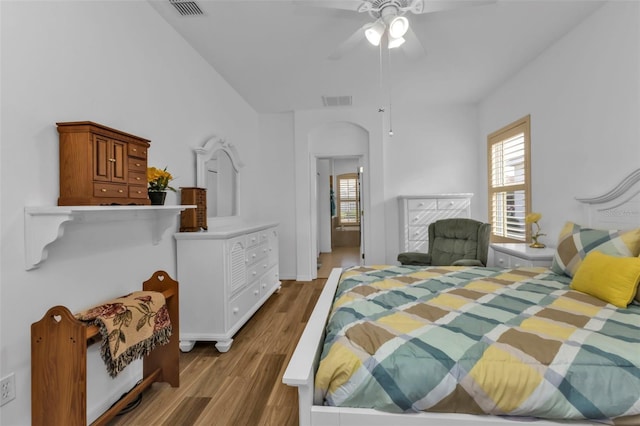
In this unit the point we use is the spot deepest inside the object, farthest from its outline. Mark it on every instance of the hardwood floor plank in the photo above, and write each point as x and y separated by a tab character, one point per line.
244	385
260	391
187	412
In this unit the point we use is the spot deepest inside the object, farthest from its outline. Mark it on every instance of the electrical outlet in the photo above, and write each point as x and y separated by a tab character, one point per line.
7	389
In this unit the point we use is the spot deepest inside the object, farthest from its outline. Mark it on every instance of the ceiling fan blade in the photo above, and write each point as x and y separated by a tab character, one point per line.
352	5
349	43
412	47
430	6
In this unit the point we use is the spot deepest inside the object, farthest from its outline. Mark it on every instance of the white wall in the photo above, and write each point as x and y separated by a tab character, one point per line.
121	65
583	95
434	150
276	185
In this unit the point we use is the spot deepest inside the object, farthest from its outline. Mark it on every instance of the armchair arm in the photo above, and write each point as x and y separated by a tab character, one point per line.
414	258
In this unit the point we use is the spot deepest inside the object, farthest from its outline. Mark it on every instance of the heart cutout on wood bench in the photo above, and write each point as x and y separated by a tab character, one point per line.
57	318
160	277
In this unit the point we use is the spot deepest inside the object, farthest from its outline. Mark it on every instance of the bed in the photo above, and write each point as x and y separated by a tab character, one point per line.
575	357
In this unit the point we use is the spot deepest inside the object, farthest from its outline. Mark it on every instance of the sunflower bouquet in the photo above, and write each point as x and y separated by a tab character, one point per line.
159	179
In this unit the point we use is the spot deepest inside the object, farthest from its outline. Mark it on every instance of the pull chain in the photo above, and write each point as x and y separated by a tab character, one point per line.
389	86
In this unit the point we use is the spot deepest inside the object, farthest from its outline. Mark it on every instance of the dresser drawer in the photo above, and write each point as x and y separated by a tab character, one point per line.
253	238
418	233
242	303
422	204
110	190
453	203
138	191
256	253
257	269
269	280
421	246
421	217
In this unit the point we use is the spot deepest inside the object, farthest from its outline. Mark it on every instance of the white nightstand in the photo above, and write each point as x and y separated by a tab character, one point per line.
513	255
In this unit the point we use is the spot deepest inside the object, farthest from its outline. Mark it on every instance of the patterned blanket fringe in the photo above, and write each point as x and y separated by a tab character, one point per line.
137	351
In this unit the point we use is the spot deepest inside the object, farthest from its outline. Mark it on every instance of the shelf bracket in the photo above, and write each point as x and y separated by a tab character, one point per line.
41	228
44	225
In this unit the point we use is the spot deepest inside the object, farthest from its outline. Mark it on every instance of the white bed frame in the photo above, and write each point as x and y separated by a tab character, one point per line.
618	208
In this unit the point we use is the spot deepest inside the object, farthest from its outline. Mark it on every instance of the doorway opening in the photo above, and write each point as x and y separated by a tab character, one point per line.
340	219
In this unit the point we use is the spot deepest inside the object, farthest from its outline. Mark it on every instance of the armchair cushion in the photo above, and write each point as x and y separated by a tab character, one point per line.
467	262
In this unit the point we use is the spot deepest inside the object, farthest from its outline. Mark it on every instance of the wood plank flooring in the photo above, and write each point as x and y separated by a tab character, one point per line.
243	386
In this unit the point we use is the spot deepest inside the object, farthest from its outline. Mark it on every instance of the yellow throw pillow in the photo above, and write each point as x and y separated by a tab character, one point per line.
610	278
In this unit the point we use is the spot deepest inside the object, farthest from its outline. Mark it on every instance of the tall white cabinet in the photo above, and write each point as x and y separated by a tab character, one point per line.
225	275
416	212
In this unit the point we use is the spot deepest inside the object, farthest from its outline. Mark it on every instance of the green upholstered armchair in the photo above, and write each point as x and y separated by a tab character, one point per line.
457	242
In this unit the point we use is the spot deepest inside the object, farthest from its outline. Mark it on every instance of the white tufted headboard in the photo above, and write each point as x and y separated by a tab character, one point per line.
619	208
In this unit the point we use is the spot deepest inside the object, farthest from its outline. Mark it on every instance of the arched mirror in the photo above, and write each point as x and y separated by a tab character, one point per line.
217	166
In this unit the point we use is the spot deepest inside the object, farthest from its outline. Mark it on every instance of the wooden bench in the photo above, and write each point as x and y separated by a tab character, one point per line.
59	362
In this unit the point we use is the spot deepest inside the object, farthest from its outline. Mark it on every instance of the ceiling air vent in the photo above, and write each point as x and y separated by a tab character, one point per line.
333	101
186	8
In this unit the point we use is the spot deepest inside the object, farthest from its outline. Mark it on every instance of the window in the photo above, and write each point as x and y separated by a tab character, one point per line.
348	199
509	181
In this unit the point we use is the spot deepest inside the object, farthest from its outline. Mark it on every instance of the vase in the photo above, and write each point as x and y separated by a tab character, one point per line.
157	197
535	243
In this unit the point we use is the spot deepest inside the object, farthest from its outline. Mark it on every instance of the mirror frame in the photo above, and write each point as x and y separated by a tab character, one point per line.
206	153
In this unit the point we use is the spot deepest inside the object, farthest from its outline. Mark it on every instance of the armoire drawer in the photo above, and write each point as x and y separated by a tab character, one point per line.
110	190
138	191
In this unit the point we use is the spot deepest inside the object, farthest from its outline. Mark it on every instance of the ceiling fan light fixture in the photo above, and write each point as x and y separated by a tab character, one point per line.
374	33
395	41
398	27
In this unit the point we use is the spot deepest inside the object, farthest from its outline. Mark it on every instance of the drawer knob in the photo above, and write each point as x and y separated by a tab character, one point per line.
450	203
103	190
137	178
254	273
257	292
253	255
421	204
134	150
138	164
236	310
139	192
120	191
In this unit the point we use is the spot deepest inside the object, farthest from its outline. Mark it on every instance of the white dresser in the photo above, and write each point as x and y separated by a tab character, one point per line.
418	211
520	255
225	276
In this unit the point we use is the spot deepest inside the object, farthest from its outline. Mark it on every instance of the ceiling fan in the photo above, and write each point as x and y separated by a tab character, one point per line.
389	26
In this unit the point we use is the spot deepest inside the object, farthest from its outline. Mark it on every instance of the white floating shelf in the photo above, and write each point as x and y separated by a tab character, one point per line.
44	225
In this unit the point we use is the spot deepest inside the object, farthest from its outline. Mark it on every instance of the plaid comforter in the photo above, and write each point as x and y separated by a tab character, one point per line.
479	340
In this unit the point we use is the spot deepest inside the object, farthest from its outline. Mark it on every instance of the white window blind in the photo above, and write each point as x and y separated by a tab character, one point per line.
348	199
509	187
